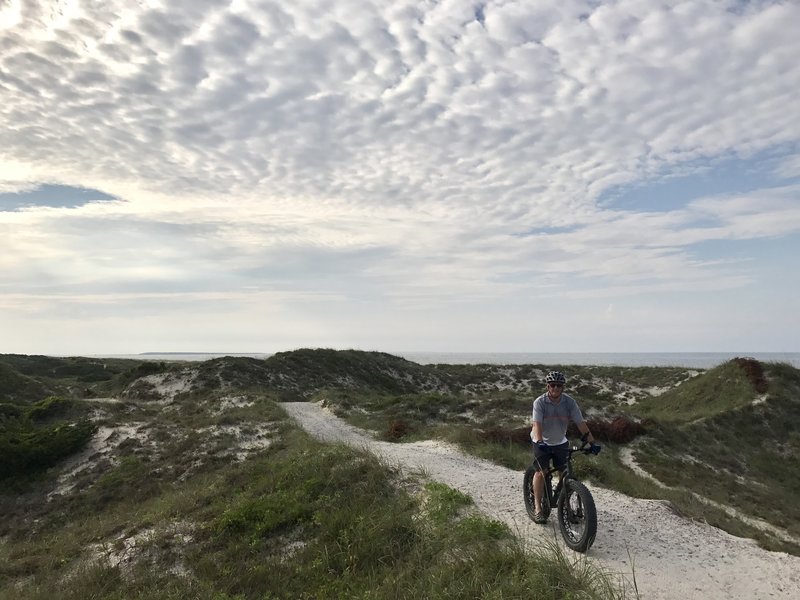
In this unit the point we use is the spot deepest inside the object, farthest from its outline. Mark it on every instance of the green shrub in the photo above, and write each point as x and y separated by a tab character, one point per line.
10	411
52	406
17	387
141	370
25	447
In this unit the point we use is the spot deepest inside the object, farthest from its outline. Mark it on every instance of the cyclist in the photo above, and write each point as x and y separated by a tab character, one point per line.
552	412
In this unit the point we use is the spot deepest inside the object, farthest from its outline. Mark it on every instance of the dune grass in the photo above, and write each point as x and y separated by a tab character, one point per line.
718	391
298	519
175	515
715	434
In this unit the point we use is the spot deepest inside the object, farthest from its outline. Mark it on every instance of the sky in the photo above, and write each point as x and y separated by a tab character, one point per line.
399	175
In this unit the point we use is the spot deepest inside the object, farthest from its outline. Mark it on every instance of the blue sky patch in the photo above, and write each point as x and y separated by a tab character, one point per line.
705	178
52	195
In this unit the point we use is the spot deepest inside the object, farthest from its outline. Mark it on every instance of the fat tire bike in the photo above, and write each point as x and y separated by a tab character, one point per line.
577	515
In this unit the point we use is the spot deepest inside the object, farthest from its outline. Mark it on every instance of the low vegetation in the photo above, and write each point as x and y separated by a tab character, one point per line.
742	455
716	439
36	436
213	493
132	479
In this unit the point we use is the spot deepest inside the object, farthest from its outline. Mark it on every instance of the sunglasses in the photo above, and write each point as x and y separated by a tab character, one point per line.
555	384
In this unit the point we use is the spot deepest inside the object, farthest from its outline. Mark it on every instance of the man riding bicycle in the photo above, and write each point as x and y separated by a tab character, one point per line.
552	412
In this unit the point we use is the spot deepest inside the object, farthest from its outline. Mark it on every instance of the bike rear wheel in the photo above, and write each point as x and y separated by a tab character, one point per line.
577	516
527	494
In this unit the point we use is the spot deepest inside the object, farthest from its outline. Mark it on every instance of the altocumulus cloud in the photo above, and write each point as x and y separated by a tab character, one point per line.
417	149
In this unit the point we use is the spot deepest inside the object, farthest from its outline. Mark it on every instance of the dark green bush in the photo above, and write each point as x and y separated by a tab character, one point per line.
10	411
26	447
52	406
17	387
141	370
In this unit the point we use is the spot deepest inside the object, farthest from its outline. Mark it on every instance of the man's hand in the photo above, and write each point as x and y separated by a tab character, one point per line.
542	446
595	448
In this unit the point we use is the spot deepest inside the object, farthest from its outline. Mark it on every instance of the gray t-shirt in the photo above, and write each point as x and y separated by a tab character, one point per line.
555	417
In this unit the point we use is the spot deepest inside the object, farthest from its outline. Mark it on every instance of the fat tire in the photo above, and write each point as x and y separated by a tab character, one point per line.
527	494
581	538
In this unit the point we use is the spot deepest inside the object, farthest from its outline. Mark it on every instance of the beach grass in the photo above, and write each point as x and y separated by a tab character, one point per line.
180	506
726	435
297	519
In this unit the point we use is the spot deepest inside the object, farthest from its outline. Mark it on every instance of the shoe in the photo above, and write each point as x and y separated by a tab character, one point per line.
539	518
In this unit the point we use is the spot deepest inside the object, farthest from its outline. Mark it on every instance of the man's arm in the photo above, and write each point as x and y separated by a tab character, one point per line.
584	429
577	417
536	431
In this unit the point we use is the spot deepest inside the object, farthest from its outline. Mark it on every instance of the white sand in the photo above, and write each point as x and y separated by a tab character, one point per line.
673	557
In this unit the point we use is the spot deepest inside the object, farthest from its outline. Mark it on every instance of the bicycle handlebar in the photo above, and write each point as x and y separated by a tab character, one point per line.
585	448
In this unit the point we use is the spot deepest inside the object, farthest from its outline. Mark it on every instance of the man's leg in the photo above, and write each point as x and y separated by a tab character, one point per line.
560	454
542	461
538	490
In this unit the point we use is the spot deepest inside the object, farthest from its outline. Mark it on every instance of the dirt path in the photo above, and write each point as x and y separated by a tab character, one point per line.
673	557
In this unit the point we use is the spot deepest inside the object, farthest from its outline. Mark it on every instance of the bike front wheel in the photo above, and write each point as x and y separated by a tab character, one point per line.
577	516
527	494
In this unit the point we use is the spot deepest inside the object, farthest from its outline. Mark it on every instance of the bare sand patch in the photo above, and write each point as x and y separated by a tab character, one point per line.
101	446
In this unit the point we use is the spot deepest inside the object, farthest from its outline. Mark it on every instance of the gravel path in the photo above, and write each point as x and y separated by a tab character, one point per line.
673	557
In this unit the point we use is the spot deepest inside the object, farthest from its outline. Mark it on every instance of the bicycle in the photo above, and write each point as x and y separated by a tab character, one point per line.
577	515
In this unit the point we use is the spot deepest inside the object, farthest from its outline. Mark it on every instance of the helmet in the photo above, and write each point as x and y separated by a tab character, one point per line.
555	377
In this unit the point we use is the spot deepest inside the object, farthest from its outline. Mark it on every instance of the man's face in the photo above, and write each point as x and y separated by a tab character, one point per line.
554	389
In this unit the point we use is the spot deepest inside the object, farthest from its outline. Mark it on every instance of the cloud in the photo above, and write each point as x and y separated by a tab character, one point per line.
412	153
586	93
789	167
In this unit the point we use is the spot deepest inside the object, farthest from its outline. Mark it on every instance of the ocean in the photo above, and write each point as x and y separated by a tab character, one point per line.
693	360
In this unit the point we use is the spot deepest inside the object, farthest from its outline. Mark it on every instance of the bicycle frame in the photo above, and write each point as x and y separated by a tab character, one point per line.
564	474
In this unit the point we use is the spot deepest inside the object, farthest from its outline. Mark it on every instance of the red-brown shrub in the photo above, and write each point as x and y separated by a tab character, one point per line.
754	372
397	430
619	430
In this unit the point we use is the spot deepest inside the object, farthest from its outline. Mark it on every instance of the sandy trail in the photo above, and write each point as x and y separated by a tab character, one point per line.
673	557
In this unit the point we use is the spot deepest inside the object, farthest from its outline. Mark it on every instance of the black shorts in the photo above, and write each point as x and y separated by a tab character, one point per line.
558	454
